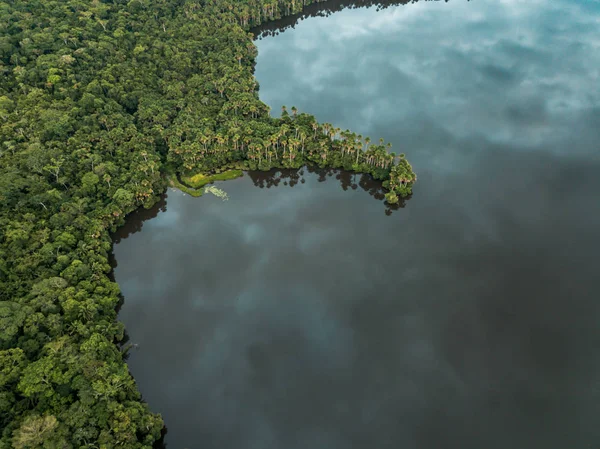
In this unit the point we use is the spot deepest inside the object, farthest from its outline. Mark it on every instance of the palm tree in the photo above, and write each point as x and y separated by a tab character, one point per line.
283	130
323	149
332	133
253	111
258	148
275	143
302	136
367	141
293	147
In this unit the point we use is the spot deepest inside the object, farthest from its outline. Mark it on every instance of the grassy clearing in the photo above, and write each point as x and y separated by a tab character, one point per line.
173	182
200	180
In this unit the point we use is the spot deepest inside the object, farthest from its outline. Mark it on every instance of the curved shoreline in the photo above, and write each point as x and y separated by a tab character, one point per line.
96	118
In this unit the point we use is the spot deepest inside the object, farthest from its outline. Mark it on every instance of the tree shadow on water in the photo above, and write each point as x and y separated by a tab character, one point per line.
347	180
135	221
324	9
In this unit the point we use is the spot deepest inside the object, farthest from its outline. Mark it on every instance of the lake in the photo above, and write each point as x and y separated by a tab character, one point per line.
303	313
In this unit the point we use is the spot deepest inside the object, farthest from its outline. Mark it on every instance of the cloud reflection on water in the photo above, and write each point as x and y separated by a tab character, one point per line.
303	317
524	73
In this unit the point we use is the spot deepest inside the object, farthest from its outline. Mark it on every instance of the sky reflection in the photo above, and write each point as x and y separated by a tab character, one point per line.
510	72
305	317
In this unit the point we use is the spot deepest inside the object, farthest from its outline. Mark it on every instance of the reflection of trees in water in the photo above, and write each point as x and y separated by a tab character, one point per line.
133	223
346	179
135	220
273	178
324	9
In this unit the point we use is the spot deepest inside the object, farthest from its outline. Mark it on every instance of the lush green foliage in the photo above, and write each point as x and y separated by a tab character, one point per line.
96	99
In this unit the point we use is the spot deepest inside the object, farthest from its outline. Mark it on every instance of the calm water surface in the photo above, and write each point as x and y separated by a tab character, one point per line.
306	316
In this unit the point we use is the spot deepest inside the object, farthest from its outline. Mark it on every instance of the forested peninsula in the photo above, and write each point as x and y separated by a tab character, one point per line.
102	104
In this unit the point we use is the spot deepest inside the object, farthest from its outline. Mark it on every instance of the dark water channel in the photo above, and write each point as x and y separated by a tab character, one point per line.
304	315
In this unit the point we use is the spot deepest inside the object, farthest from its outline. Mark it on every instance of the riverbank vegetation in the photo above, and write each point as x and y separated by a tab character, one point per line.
97	99
292	141
200	179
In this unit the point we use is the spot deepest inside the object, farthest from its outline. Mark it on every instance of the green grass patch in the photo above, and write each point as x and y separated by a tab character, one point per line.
174	182
197	181
200	180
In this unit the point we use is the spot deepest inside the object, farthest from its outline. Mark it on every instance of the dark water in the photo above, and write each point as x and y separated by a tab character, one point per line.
305	317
